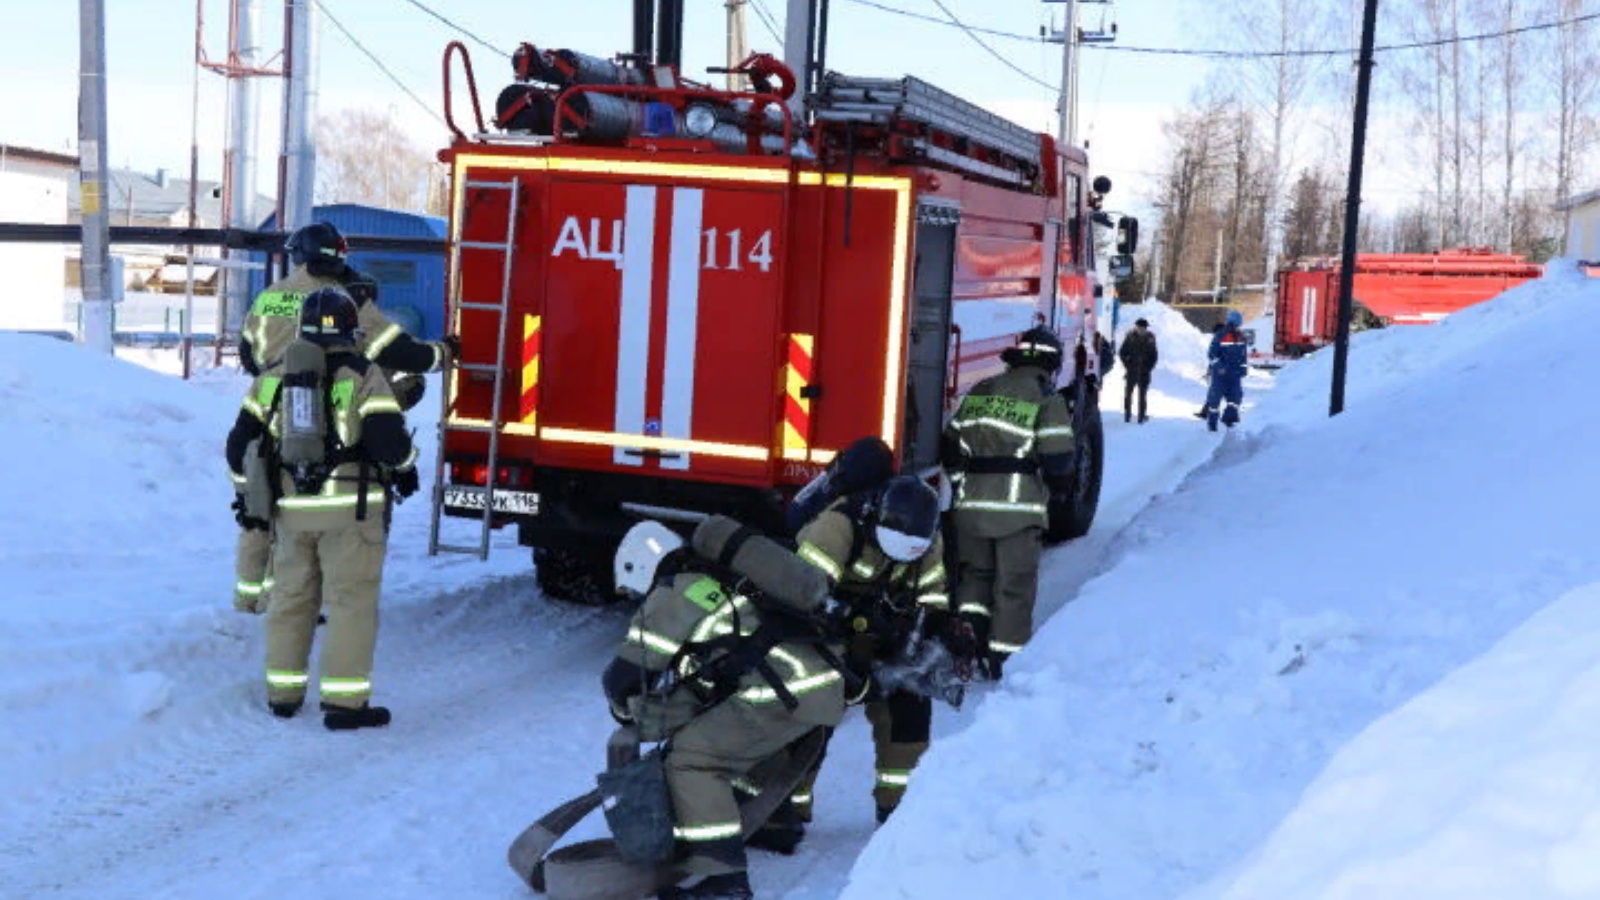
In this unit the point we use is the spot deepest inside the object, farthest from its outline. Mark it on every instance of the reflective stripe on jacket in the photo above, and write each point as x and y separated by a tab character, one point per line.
695	608
1010	431
828	541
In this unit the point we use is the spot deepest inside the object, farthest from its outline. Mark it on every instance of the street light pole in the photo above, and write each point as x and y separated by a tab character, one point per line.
1352	208
95	259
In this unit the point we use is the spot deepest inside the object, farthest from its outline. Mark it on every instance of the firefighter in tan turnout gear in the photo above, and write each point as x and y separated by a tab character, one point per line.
882	553
319	254
1008	445
731	670
323	442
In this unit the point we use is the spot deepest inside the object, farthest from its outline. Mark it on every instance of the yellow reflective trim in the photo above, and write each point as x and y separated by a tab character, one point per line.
815	555
1055	431
996	424
653	641
282	678
714	832
931	576
797	687
934	599
863	569
997	506
377	405
345	687
615	439
381	343
894	777
968	609
802	797
333	502
1003	647
249	588
237	479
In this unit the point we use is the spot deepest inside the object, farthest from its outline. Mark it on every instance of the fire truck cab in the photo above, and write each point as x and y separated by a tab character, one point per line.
676	300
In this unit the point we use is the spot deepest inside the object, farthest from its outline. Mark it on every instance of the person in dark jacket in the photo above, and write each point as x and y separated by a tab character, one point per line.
1138	356
1230	359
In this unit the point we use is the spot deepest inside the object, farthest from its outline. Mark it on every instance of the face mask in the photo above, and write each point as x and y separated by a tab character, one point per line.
901	547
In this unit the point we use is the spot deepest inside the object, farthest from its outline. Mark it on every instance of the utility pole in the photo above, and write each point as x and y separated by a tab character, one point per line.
297	166
240	173
95	265
800	49
738	41
1352	207
1066	107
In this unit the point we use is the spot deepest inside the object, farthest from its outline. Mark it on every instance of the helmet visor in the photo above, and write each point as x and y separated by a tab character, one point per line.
902	547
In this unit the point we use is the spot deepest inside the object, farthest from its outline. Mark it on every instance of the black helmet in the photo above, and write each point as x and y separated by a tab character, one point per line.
1037	346
1143	323
328	317
908	517
361	287
317	244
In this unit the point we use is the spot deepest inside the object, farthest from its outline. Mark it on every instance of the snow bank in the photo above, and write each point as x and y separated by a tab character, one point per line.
1313	576
1482	787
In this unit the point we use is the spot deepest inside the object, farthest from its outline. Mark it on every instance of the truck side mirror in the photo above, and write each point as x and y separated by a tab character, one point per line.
1121	266
1128	235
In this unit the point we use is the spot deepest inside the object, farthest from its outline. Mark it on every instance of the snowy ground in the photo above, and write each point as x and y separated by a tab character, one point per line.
1311	577
140	759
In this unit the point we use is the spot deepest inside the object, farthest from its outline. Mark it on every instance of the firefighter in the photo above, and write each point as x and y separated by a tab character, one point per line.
1007	447
731	680
1138	355
334	441
1229	356
884	557
319	252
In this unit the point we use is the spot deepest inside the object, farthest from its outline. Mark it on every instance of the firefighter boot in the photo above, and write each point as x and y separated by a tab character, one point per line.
994	665
884	812
287	709
340	718
727	886
782	833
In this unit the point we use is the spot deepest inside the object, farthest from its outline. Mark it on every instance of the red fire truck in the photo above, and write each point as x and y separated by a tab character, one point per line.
1390	288
676	300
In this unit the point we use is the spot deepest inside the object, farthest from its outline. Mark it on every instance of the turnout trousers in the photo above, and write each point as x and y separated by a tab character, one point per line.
706	758
342	568
252	589
901	724
998	584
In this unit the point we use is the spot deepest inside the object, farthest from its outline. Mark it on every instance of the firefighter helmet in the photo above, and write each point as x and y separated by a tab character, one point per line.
318	242
1037	346
328	317
908	517
640	554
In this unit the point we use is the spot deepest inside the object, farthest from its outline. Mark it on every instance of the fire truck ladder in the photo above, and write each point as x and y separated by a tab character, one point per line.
885	101
502	310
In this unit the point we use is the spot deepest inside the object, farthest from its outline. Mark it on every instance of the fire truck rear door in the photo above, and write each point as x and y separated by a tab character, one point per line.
661	318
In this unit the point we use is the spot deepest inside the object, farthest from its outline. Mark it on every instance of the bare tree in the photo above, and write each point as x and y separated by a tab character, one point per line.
363	156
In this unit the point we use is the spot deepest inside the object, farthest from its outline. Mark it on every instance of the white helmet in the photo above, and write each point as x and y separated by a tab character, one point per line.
642	550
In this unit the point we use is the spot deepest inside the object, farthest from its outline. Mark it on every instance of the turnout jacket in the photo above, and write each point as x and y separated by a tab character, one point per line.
697	635
274	322
840	546
365	420
1008	441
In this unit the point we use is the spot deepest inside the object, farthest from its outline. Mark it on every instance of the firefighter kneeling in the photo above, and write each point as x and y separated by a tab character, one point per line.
729	660
882	553
319	447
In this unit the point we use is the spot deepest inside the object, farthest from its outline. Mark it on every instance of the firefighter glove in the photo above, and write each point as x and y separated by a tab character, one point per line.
405	482
452	343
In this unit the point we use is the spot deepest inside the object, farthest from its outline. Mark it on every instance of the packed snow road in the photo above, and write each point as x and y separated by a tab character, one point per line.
148	767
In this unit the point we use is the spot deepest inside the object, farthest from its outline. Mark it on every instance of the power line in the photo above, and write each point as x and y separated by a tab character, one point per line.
1228	54
768	21
333	20
457	28
990	50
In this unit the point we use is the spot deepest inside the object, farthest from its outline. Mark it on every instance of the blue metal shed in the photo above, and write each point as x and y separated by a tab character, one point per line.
410	285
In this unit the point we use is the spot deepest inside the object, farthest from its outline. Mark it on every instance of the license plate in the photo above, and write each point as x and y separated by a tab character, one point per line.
517	502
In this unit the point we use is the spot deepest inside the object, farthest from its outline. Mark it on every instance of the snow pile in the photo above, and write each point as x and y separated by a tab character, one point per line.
1313	576
1482	787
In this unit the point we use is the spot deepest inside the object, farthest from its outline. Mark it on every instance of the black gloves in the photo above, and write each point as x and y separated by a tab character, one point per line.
408	391
244	519
405	482
960	638
453	344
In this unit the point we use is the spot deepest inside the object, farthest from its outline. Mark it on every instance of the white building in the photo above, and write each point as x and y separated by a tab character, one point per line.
34	186
1583	226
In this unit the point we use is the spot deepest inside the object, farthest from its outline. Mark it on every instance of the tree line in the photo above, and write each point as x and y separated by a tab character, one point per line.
1473	139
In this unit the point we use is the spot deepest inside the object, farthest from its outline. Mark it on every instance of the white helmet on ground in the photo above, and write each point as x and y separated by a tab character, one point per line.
641	552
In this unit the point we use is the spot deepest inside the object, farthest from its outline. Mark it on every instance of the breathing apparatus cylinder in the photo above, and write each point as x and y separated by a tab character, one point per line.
778	573
303	426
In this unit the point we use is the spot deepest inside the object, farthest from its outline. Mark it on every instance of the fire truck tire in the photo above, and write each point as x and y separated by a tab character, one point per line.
574	576
1072	511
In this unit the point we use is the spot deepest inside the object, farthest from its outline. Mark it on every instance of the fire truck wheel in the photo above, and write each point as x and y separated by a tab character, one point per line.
1072	511
574	576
